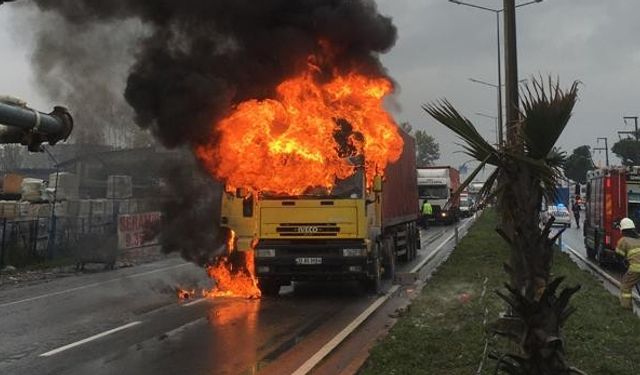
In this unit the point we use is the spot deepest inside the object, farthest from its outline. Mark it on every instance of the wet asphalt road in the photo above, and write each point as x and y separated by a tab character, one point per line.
128	321
574	238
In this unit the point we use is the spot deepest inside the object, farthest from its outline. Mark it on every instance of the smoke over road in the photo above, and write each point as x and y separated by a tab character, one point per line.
191	61
201	57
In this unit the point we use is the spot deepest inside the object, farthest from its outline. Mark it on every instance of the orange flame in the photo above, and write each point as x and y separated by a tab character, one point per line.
234	273
287	144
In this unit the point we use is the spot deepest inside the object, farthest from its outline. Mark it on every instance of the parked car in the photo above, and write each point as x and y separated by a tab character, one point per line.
560	213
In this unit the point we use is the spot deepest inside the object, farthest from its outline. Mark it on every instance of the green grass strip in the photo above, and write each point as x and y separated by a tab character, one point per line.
443	332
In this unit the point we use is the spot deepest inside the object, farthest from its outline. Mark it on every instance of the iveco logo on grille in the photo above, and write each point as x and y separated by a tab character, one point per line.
307	229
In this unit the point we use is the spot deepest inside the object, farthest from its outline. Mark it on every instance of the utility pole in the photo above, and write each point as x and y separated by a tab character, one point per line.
51	240
635	121
500	126
511	71
605	149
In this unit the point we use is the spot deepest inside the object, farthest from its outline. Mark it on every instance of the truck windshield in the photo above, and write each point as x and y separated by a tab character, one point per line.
433	191
350	187
465	202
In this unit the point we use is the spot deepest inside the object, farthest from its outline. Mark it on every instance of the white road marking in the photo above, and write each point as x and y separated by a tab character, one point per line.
429	239
312	362
340	337
432	254
186	326
437	250
35	298
88	339
194	302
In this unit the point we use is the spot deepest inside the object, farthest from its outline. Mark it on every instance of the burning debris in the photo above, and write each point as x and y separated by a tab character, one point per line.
257	89
234	273
184	294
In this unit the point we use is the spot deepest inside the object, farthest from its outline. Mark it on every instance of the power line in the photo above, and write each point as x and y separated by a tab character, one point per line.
605	148
635	121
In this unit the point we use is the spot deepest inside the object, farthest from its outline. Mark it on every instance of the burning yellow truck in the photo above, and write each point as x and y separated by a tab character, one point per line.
356	230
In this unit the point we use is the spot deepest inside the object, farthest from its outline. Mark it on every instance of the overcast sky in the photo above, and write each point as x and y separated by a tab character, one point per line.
441	45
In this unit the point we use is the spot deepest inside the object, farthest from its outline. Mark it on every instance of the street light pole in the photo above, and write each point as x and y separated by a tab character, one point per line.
605	149
499	96
498	88
496	121
500	126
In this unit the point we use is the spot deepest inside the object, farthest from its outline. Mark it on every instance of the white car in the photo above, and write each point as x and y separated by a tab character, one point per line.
561	214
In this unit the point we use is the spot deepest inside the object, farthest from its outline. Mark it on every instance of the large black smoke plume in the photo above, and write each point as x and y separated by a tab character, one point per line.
194	59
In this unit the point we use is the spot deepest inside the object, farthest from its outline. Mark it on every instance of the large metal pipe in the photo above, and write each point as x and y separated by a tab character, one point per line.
30	127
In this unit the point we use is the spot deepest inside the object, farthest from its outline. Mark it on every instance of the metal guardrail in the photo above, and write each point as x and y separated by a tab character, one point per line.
599	271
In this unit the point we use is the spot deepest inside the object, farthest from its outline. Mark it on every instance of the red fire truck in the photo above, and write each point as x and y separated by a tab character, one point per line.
612	194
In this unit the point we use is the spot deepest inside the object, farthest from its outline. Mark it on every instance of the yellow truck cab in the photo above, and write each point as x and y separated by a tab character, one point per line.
345	232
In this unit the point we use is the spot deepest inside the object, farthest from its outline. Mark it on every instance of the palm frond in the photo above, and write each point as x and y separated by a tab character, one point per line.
470	178
487	192
476	146
556	158
546	112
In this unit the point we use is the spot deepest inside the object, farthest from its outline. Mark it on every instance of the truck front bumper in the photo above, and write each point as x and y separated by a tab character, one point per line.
312	260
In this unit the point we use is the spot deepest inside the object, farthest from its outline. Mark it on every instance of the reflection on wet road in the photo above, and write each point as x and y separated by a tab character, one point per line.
213	336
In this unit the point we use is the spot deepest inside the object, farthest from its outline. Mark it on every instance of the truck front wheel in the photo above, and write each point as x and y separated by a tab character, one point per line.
269	287
390	258
373	283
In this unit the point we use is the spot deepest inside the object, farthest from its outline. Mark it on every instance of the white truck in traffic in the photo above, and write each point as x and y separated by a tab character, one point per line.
438	185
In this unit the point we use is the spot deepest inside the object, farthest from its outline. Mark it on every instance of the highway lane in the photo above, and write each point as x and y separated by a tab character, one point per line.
574	238
128	321
37	318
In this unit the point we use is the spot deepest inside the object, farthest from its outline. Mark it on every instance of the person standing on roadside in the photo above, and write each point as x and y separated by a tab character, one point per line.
576	212
629	248
426	211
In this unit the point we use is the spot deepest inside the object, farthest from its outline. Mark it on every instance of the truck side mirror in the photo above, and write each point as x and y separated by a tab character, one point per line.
377	184
247	206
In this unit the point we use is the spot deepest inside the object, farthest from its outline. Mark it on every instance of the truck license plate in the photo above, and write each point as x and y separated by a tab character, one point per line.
308	261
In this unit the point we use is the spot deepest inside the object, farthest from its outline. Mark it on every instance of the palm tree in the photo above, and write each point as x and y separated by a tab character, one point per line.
525	172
